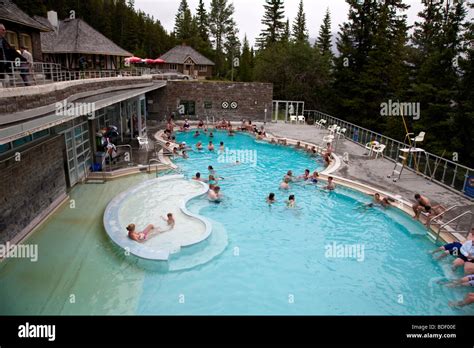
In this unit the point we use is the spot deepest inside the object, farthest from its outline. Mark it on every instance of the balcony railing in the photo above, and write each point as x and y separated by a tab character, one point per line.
19	74
449	174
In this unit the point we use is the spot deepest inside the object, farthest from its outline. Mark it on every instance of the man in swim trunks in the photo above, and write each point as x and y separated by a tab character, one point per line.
140	237
421	204
466	253
210	147
305	176
448	249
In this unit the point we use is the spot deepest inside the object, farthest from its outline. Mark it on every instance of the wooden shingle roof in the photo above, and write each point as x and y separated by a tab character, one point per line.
9	12
179	54
76	36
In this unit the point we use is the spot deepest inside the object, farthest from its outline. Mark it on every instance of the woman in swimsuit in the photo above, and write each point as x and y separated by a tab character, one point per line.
140	237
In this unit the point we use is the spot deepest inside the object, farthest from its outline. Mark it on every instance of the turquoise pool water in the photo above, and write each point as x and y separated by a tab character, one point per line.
276	260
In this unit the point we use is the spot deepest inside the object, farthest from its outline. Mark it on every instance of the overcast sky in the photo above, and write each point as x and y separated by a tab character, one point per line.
249	13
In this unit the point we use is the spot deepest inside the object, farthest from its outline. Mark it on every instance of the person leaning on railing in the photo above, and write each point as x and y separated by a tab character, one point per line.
7	53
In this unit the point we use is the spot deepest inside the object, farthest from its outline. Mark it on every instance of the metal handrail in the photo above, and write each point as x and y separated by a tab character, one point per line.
451	221
441	214
361	135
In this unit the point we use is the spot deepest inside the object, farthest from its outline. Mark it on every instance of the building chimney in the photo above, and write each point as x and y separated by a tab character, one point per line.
53	19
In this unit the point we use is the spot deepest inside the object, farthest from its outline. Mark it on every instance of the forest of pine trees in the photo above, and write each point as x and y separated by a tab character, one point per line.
379	57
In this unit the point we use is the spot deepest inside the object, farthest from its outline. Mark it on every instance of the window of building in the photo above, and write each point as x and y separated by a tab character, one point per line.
25	40
12	39
173	66
203	68
21	141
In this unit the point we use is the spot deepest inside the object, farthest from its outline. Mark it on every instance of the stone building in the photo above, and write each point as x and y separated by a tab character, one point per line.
188	61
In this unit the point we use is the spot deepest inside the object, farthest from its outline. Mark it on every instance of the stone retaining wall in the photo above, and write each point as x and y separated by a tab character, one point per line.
30	185
251	99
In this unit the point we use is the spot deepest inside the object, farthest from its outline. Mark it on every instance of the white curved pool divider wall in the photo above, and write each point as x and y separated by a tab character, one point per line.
196	228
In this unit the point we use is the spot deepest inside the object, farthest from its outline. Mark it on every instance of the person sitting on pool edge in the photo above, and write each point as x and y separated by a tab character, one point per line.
214	194
143	236
271	199
331	186
422	203
466	253
448	249
468	299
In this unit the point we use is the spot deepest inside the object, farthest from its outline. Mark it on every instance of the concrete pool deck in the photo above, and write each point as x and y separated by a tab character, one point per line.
372	172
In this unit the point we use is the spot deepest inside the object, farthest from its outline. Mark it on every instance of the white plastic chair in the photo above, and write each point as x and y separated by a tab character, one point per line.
328	139
302	119
341	131
320	123
419	138
293	119
370	146
143	143
332	128
379	149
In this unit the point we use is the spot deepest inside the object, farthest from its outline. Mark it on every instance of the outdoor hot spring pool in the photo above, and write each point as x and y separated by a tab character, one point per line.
276	261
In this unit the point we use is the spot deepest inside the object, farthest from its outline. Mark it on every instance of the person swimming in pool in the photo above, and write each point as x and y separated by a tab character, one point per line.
210	147
289	176
197	177
271	199
185	154
305	176
331	186
291	202
221	147
143	236
211	135
214	195
315	177
199	146
212	182
285	184
197	134
169	220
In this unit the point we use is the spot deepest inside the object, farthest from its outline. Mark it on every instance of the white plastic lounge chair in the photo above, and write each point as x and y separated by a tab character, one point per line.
293	119
301	119
320	123
143	142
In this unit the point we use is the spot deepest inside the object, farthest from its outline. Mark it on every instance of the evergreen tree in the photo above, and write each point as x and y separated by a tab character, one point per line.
300	30
202	21
245	70
324	40
183	22
438	42
221	24
273	22
285	38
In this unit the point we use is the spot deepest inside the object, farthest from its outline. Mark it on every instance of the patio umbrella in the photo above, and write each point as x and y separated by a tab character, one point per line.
133	60
159	61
